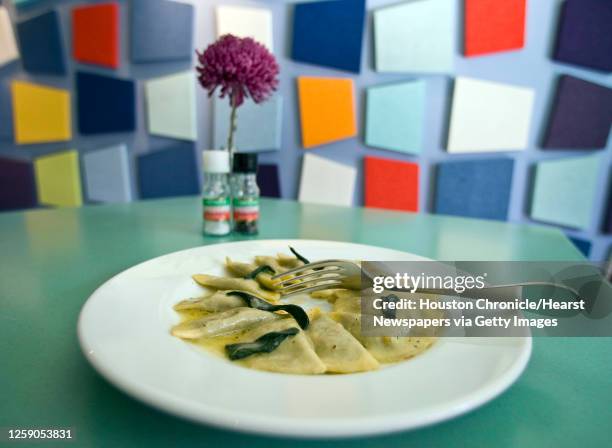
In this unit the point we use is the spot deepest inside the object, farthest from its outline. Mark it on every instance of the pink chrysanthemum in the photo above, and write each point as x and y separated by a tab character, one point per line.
239	68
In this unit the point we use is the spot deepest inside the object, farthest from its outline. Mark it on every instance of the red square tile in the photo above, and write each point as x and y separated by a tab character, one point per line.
95	34
493	26
391	184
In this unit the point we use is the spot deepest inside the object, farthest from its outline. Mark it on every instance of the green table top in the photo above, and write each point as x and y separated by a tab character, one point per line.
52	260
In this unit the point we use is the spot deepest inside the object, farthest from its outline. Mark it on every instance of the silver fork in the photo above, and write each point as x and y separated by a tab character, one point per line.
329	274
326	274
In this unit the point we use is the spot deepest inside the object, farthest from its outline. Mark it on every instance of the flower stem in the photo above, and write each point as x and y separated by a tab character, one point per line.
233	127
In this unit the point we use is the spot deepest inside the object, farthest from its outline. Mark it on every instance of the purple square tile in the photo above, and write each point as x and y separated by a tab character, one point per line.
581	115
585	34
17	186
268	181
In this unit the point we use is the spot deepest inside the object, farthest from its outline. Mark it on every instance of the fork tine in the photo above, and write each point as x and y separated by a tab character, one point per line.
310	288
310	276
306	267
316	282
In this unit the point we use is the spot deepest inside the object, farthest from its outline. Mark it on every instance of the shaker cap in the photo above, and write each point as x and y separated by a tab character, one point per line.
245	162
215	161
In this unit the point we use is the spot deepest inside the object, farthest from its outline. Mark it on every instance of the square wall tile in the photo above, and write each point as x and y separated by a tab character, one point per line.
107	174
474	188
58	179
168	173
391	184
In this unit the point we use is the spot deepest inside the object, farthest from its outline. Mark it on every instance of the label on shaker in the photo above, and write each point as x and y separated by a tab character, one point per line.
246	209
217	209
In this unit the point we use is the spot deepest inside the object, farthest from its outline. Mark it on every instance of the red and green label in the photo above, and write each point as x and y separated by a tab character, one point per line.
246	209
217	209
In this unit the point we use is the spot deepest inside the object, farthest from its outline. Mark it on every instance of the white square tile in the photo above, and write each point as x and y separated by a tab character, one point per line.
8	47
171	106
489	116
324	181
246	22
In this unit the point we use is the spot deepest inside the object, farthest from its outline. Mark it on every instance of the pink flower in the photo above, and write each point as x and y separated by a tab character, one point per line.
240	68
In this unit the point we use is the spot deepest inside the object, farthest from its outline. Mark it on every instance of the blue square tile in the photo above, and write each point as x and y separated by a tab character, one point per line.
329	33
161	30
474	188
105	104
167	173
582	245
6	112
24	4
107	174
41	45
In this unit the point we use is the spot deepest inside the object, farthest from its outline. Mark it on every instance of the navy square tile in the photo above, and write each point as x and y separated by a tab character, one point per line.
329	33
167	173
105	104
268	181
585	34
41	45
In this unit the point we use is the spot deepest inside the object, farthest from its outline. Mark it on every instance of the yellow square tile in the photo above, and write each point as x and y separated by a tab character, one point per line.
327	110
58	179
41	114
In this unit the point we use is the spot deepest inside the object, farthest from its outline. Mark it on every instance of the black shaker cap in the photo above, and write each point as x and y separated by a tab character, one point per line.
245	162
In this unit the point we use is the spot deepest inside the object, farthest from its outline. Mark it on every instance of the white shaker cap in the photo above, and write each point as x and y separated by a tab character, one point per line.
216	161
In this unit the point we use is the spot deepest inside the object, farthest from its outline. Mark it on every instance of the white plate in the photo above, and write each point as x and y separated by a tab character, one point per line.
124	332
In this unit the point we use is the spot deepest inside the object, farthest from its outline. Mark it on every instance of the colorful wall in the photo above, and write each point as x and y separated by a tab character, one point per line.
443	186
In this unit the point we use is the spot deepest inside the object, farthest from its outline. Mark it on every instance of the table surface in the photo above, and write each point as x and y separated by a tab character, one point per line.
52	260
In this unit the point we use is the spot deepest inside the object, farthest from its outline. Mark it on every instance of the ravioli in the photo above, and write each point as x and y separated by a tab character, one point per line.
294	355
337	348
252	328
243	269
289	261
212	303
236	284
331	295
218	324
264	260
385	349
348	304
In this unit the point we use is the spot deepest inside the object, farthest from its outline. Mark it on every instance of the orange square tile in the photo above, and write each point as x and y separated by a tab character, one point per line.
327	110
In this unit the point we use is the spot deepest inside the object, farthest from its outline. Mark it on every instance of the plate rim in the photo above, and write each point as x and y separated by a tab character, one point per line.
312	428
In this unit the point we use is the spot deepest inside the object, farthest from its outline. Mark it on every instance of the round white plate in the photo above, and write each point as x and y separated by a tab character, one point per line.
124	332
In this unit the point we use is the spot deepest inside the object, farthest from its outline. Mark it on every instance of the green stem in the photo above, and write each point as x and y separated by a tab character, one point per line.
233	127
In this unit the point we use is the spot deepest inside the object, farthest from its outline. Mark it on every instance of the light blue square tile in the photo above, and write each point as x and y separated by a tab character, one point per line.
415	36
564	191
395	115
259	125
107	175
